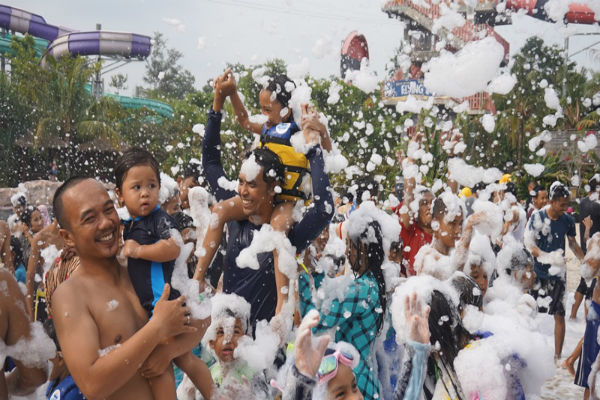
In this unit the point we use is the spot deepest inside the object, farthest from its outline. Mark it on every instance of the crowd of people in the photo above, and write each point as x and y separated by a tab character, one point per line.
278	286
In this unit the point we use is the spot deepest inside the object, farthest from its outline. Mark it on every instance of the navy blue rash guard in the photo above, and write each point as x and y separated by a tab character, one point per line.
258	286
149	277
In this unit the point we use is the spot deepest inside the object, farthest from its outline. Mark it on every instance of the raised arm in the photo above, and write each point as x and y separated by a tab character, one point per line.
211	151
100	376
318	216
32	263
409	181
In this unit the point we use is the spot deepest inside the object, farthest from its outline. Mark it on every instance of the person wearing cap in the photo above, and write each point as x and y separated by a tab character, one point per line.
545	239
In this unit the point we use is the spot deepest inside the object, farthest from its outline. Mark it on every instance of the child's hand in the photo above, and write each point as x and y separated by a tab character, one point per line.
587	222
311	135
417	319
131	249
309	354
225	84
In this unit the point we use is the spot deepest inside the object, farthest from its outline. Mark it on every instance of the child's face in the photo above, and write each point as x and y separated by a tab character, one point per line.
139	191
424	215
343	386
480	277
396	255
37	223
526	277
272	108
225	343
449	232
184	187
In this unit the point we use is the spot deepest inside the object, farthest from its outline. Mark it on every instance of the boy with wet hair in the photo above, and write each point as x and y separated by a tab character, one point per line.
230	322
149	247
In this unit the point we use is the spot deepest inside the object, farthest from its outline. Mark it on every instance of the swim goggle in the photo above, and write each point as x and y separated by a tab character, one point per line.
329	365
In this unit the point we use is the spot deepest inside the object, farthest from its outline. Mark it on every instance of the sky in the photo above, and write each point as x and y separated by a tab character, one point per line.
211	33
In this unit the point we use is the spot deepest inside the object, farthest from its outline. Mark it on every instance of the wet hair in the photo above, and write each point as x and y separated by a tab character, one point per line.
438	209
558	191
366	183
134	157
245	321
57	203
269	161
349	196
467	289
278	85
397	245
192	169
536	190
511	188
375	259
594	181
20	201
446	328
519	260
27	214
479	186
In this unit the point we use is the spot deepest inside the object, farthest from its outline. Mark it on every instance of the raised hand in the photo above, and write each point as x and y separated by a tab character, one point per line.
225	84
417	319
309	355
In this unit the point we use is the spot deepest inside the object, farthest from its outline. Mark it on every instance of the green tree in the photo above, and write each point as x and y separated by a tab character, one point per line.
119	82
164	73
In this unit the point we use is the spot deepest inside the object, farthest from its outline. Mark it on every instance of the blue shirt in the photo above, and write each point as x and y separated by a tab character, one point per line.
149	277
258	286
551	240
64	390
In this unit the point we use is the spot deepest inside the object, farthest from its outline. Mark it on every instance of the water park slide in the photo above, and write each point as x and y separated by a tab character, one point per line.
40	45
135	103
63	41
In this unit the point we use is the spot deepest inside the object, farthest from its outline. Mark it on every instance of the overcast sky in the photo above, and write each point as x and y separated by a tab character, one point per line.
211	33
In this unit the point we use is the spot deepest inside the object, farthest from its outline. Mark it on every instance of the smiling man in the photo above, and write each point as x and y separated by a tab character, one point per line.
258	180
102	328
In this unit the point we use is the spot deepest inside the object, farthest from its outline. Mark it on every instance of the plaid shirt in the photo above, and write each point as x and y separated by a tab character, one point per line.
355	319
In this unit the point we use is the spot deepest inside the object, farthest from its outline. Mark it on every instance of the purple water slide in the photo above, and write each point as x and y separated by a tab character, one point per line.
66	41
101	43
21	21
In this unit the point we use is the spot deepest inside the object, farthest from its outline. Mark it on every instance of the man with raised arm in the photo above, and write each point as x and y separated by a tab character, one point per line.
258	192
103	331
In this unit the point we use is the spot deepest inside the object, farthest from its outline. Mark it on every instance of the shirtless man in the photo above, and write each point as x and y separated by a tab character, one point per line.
101	326
45	238
15	326
6	256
